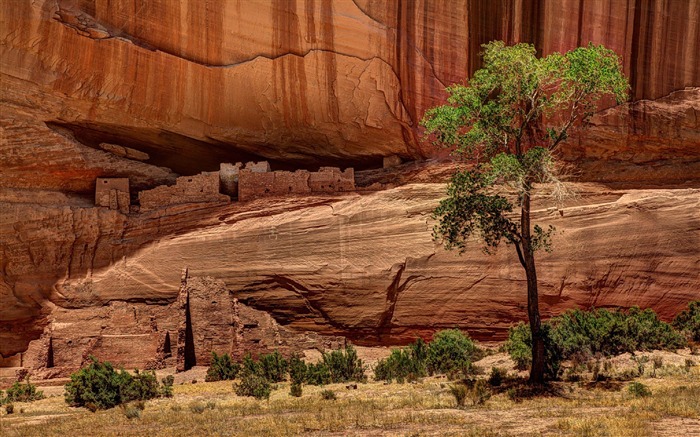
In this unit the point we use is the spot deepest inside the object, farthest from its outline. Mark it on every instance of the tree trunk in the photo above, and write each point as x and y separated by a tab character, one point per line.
533	306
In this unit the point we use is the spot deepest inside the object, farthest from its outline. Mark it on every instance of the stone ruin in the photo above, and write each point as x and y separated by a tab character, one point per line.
238	181
253	182
200	188
113	193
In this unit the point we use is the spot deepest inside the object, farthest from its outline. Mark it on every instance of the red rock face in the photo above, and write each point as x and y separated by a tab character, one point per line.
185	87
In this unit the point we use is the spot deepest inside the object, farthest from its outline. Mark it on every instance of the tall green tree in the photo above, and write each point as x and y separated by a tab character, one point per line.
510	120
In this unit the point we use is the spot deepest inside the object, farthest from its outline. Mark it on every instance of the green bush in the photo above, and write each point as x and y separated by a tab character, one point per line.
99	386
295	390
21	392
688	321
403	364
318	374
249	365
344	365
166	388
253	385
297	369
222	368
450	351
497	376
638	390
519	346
273	367
582	335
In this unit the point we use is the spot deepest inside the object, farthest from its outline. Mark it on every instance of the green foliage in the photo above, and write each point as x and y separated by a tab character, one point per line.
497	376
688	321
344	365
273	367
517	98
460	392
249	365
318	374
166	388
638	390
222	368
519	346
585	334
450	351
253	385
403	364
295	390
328	395
21	392
297	370
100	386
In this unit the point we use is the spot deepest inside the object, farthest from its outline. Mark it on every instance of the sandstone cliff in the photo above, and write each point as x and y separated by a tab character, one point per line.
303	84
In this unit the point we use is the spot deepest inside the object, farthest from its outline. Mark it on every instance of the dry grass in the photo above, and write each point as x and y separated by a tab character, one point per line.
424	408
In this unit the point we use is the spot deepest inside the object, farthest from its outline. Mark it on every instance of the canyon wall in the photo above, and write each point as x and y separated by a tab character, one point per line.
187	85
298	82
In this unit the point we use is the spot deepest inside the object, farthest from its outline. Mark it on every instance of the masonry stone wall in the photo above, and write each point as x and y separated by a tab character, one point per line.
253	184
204	187
113	193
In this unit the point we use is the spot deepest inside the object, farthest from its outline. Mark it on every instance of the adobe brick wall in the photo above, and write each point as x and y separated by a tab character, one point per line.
332	180
200	188
113	193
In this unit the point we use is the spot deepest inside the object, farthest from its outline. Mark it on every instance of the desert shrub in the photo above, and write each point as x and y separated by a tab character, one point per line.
609	333
297	369
497	376
10	408
250	366
253	385
638	390
519	346
460	392
328	395
100	386
318	374
222	368
197	407
688	321
132	410
295	389
344	365
450	350
403	364
273	367
21	392
166	388
479	392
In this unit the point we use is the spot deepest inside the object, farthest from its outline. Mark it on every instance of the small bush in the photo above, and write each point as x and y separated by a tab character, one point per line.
99	386
328	395
22	392
253	385
638	390
297	370
344	365
460	392
497	376
295	390
131	411
166	388
273	367
211	405
318	374
519	346
479	392
688	321
197	407
451	350
222	368
9	408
